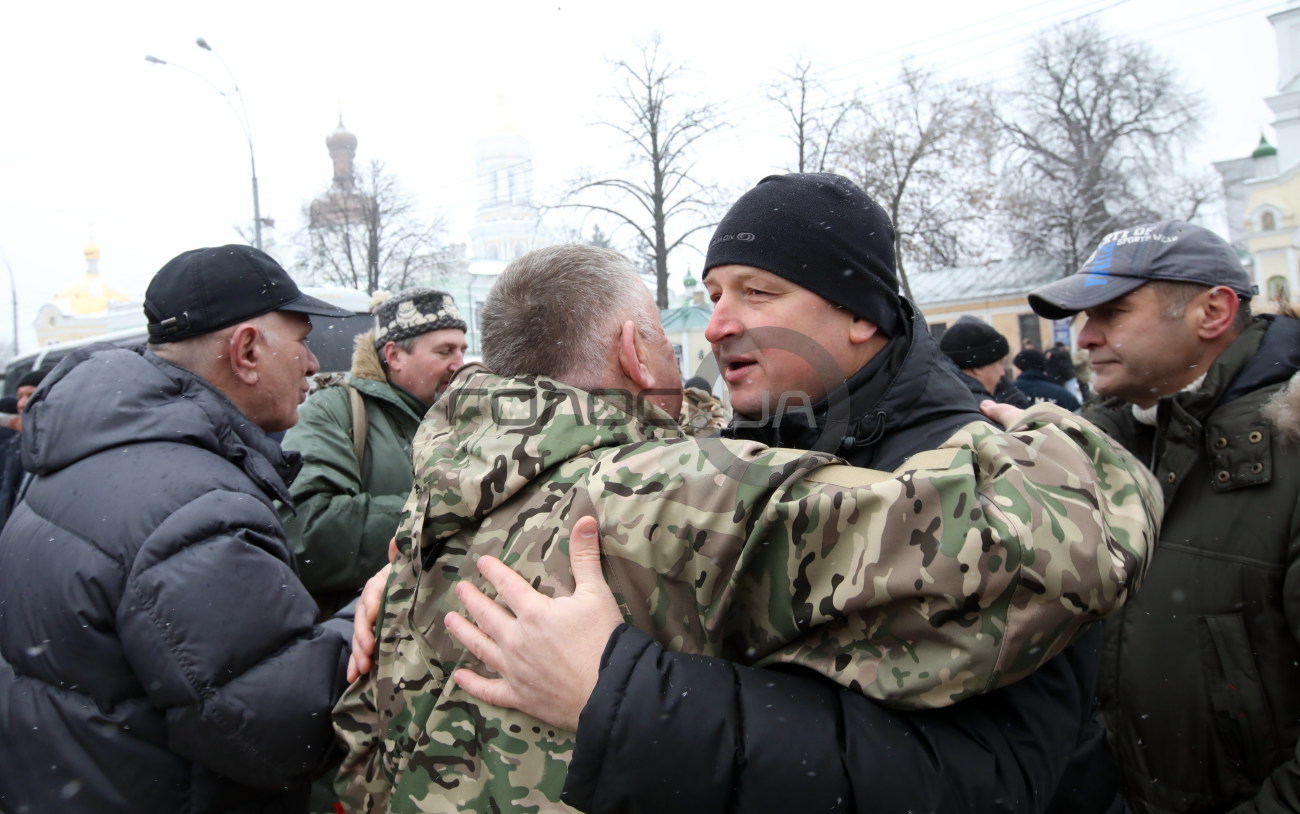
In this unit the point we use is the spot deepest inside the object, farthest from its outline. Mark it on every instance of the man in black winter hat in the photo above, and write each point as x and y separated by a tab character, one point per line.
816	345
1033	381
355	439
979	351
12	474
818	351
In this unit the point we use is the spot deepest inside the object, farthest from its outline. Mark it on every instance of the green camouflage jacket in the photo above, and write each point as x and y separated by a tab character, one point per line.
963	570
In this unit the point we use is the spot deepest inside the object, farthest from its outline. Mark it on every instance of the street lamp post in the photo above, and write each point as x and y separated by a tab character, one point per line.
241	113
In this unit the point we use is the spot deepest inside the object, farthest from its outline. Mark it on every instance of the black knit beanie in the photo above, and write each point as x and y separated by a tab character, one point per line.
1030	359
821	232
972	343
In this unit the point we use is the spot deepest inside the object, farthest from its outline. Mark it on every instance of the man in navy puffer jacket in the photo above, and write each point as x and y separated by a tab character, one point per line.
157	651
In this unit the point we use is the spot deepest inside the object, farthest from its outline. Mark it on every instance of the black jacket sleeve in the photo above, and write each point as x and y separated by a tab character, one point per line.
223	637
681	733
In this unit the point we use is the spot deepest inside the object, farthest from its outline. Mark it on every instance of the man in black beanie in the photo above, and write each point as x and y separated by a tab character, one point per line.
1034	382
817	347
12	474
978	350
818	350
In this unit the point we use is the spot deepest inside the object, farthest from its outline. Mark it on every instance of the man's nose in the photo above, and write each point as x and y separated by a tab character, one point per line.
1089	336
722	324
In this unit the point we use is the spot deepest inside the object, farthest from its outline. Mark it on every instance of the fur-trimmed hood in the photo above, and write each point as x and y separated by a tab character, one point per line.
365	358
1283	410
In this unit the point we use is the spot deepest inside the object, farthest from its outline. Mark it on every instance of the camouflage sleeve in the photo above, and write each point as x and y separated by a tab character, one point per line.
962	571
364	780
703	414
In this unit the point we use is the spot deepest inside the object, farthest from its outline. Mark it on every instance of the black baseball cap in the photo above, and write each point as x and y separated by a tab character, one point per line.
204	290
1168	250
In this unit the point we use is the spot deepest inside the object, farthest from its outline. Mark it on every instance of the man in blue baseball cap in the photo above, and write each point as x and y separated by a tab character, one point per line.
1201	678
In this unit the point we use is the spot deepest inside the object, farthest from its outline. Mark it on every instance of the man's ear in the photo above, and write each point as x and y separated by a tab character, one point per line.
391	355
860	331
1217	310
631	353
245	353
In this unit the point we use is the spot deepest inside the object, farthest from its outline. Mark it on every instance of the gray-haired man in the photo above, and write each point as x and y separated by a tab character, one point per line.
157	651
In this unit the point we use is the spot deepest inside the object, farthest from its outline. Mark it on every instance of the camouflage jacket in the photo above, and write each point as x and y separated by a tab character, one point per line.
703	414
963	570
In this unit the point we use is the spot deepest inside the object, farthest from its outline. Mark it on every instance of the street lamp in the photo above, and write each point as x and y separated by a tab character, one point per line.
241	113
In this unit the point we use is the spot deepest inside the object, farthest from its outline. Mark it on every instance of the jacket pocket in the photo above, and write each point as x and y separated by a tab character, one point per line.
1243	720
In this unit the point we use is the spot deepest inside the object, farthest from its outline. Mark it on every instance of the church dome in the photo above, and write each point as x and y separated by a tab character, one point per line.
1264	150
341	139
92	251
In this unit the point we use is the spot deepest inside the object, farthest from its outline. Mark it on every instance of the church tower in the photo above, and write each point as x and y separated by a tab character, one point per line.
342	147
505	225
1286	104
87	308
341	204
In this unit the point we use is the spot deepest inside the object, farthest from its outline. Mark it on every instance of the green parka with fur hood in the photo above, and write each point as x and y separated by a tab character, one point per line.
1201	680
347	511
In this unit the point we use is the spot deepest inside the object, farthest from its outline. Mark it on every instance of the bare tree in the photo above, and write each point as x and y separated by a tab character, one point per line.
1096	138
365	233
814	116
656	195
924	150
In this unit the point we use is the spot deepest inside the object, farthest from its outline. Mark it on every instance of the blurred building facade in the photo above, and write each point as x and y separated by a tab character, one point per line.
87	308
1262	190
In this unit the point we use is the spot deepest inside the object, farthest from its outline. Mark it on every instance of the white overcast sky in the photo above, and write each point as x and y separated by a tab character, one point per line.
148	161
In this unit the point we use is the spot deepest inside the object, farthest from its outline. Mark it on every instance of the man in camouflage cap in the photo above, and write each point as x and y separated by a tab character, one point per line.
717	547
355	439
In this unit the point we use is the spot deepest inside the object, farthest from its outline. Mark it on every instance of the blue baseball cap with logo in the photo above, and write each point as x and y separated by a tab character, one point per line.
1171	250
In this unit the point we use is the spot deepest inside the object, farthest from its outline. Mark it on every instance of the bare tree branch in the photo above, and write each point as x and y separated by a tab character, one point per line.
1095	136
813	115
368	236
659	189
924	150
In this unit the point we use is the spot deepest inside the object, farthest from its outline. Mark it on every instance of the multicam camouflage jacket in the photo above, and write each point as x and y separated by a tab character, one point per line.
703	413
963	570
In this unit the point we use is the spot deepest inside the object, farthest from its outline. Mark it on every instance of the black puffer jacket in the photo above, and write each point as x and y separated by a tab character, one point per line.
684	733
157	651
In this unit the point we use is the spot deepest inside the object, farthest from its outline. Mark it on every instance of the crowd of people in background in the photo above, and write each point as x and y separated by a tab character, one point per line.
887	573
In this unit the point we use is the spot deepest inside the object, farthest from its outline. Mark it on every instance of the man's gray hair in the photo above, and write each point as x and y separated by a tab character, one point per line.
199	354
557	312
1175	296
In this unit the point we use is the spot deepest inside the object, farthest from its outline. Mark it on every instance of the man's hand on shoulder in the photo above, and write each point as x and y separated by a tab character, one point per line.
547	651
1004	414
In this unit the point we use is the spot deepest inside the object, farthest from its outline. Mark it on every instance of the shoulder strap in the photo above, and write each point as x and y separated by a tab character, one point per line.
358	410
